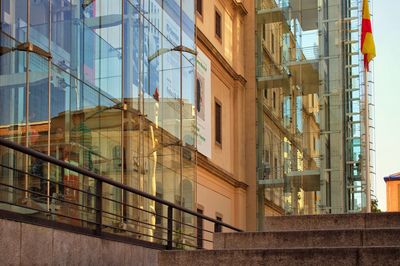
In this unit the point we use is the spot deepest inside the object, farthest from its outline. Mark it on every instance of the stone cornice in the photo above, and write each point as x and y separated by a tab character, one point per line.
214	51
205	163
239	5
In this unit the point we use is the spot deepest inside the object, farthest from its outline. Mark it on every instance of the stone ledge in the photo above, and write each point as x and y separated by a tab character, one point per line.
333	221
277	257
308	239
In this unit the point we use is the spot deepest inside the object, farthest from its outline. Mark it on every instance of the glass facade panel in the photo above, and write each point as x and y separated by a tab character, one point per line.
115	97
12	92
318	86
39	29
14	19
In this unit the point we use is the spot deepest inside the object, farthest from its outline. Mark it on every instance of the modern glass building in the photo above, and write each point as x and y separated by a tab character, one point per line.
107	85
311	147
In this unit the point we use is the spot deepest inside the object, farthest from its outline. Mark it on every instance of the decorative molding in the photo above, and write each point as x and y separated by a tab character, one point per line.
209	166
239	5
214	51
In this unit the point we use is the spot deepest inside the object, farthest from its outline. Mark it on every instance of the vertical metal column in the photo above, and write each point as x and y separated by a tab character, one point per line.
170	228
27	100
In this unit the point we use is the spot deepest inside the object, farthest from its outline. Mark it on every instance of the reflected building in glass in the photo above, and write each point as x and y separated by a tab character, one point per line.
105	85
267	119
310	88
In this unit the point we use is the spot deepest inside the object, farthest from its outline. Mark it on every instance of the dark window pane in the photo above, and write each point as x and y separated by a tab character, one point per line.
218	135
218	227
218	30
274	99
199	6
272	43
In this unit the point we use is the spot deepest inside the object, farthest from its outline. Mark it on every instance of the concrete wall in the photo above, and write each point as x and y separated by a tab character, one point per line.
25	244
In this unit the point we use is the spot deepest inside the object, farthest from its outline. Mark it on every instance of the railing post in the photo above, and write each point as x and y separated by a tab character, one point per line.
99	206
169	227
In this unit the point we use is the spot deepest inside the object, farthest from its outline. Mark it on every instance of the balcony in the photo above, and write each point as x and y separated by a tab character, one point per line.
305	11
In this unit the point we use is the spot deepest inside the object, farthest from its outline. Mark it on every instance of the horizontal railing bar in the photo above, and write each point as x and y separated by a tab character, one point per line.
49	213
82	220
116	228
49	180
182	223
141	223
47	197
195	227
183	244
133	232
138	221
36	220
137	208
37	154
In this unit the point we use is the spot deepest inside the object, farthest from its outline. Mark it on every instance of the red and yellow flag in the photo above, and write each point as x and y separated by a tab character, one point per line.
367	40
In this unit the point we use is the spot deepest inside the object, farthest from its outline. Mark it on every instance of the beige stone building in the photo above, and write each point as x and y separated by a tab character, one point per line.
227	181
286	103
226	178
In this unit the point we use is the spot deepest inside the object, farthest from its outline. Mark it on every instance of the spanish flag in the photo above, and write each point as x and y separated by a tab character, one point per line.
367	40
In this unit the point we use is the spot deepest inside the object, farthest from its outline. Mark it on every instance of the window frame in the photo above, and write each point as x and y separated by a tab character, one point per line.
200	13
272	42
218	227
219	13
218	103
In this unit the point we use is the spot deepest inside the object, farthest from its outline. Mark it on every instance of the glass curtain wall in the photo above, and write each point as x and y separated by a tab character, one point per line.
358	187
104	85
290	101
311	151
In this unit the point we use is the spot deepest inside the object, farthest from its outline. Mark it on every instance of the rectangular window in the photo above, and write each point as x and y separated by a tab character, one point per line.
266	155
218	227
199	7
218	125
276	168
314	144
272	43
199	229
263	32
274	100
218	24
312	100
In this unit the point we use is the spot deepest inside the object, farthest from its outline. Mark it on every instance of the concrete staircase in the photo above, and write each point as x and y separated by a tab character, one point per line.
352	239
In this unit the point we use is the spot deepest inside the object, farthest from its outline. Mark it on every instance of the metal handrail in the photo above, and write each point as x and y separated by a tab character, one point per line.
15	146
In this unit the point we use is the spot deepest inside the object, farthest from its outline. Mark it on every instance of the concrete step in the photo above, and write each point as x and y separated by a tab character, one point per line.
276	257
333	221
308	239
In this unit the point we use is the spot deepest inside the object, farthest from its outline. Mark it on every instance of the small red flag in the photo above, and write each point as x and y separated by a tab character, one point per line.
156	95
367	40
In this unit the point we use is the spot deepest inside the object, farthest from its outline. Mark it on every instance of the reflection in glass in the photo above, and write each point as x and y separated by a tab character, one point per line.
99	103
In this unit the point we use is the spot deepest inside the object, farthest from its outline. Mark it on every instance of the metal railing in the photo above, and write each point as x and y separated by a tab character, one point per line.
44	190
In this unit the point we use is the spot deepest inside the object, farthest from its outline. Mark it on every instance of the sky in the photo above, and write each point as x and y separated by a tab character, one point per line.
386	30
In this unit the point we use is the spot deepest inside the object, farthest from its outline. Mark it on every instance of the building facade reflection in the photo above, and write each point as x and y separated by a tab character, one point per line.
84	91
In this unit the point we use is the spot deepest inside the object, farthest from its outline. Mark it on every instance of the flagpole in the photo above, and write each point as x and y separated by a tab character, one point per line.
368	50
367	142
